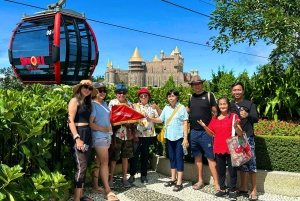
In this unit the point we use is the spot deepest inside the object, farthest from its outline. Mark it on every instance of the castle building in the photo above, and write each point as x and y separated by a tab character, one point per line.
155	73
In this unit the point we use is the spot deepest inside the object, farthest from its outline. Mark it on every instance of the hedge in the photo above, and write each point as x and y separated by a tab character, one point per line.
281	153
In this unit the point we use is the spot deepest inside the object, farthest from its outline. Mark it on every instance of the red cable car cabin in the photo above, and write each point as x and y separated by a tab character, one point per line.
53	47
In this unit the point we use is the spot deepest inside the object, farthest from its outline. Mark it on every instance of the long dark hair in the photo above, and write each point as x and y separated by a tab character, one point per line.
218	109
87	102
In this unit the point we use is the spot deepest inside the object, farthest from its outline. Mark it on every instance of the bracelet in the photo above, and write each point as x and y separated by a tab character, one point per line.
76	136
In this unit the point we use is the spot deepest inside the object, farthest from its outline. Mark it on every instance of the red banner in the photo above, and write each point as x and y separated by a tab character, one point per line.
122	114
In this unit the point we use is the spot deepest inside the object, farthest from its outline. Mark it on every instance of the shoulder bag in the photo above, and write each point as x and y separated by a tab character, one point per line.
240	150
161	135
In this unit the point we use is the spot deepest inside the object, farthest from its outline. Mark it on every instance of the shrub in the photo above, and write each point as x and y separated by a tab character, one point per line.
278	128
280	153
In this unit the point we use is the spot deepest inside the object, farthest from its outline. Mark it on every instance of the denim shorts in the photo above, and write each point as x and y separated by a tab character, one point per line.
250	166
101	142
201	144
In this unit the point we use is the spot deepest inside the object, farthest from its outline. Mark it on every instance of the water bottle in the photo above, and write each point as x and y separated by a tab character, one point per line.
185	151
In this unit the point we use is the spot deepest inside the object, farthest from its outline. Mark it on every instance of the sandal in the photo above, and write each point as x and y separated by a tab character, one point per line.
253	197
241	192
86	198
111	196
198	186
170	183
178	187
98	190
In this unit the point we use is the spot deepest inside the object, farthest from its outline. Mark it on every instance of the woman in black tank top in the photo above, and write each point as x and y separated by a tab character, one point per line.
79	109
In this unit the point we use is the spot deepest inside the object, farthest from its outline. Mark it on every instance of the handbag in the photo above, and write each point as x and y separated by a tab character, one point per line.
240	150
161	136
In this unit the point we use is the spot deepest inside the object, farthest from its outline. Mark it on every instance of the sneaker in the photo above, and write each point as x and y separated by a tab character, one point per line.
111	184
221	193
131	179
232	195
144	179
126	184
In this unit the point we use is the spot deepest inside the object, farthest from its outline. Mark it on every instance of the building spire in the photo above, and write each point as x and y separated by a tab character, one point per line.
136	56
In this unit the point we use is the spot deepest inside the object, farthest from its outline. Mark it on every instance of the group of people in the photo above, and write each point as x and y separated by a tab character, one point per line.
210	126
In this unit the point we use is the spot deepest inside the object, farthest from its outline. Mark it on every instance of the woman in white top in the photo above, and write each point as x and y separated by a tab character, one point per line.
145	132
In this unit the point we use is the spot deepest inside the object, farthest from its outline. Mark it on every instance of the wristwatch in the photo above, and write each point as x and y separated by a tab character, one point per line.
76	136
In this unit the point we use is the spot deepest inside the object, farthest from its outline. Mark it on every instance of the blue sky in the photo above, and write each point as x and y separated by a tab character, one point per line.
154	16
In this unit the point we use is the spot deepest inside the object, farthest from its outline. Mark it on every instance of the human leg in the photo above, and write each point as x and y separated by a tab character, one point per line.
171	150
221	169
113	160
102	155
145	144
253	179
179	164
213	169
196	149
95	179
232	174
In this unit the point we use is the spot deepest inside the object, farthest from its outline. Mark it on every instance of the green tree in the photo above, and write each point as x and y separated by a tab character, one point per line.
274	22
10	80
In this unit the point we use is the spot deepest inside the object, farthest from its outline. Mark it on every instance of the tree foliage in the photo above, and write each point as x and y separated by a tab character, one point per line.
274	22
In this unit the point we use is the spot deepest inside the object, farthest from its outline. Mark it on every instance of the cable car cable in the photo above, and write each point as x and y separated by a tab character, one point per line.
153	34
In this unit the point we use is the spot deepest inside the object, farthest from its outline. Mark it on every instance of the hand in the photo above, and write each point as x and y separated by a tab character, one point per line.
243	113
201	123
79	145
154	106
236	123
185	143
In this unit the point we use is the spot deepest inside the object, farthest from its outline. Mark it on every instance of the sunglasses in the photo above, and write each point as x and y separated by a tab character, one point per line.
122	92
102	90
143	96
88	87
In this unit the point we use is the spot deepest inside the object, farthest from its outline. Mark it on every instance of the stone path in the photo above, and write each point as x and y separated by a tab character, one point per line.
155	191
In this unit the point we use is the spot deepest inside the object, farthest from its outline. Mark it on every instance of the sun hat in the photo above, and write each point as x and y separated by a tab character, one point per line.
120	87
88	83
143	90
196	79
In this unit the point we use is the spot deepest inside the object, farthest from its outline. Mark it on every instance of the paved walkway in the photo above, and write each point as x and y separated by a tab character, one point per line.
155	191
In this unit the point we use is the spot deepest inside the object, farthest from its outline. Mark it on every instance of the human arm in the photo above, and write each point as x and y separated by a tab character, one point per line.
252	115
237	127
185	134
210	132
155	120
72	109
155	107
96	127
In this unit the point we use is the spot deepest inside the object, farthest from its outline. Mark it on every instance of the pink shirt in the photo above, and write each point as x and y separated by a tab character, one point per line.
222	129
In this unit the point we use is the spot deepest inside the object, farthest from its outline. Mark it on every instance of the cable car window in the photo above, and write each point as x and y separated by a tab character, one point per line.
31	49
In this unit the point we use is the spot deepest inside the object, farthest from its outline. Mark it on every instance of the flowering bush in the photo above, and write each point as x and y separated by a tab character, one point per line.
278	128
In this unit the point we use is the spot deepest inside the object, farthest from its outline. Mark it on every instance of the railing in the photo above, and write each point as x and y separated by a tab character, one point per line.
11	152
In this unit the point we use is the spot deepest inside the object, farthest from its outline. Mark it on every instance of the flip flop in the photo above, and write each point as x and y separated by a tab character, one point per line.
98	190
253	197
111	197
86	198
198	186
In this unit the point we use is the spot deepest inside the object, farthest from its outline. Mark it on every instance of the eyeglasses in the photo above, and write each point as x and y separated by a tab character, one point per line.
88	87
102	90
121	92
143	96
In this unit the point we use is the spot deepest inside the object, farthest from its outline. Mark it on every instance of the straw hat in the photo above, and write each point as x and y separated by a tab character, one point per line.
88	83
196	79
